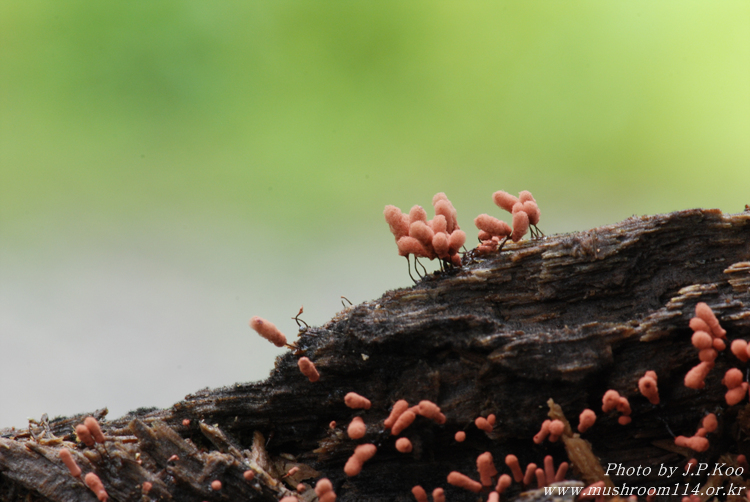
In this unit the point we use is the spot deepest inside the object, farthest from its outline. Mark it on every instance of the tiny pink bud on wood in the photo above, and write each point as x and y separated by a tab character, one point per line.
93	427
307	367
529	476
647	387
512	462
491	419
504	200
624	420
362	454
540	478
146	487
610	400
96	486
732	378
268	330
556	428
419	494
503	483
70	462
357	428
460	436
403	445
483	424
562	470
549	470
702	340
216	485
739	349
696	443
741	461
586	420
696	376
710	422
403	421
464	481
301	488
399	407
493	497
429	410
543	433
355	401
520	226
332	425
486	468
186	422
736	395
84	435
323	486
291	472
719	344
438	495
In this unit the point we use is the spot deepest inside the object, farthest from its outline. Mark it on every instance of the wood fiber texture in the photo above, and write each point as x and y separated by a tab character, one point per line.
565	317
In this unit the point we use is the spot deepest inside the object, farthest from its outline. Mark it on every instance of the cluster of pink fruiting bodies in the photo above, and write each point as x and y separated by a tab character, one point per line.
441	236
494	232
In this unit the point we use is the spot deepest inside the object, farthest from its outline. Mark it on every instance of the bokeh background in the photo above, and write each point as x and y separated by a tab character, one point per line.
169	169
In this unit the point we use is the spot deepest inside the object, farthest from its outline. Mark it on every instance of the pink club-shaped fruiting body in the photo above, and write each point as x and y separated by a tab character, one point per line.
463	481
95	485
647	387
93	426
493	233
324	490
362	454
70	462
307	367
419	494
356	429
415	235
268	330
355	401
399	407
586	420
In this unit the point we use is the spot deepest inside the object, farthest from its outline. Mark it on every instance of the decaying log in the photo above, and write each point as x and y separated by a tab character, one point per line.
564	317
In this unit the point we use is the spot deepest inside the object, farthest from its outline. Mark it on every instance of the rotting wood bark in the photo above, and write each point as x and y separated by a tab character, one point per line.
564	317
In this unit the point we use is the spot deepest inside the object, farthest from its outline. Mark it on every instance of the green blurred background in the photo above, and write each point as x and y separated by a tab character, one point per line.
169	169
